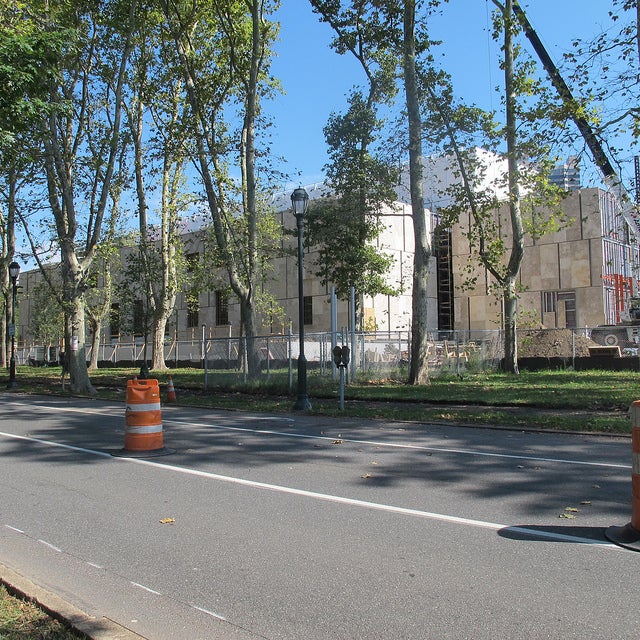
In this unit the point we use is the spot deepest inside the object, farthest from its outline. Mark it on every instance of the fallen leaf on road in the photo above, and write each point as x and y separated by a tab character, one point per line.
366	475
338	442
571	509
585	502
568	516
167	520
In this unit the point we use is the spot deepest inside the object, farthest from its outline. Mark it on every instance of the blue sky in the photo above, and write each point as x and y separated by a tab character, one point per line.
316	80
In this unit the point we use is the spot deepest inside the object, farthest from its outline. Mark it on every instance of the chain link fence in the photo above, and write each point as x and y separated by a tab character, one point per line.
374	355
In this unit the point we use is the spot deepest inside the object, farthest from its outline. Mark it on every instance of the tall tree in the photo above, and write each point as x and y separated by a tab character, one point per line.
156	123
346	225
418	371
224	53
383	35
29	59
498	244
510	277
80	148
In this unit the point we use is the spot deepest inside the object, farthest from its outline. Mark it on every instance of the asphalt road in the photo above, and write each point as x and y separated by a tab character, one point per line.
295	527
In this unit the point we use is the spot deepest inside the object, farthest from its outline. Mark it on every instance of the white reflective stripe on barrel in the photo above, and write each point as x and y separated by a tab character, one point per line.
635	414
636	463
146	429
151	406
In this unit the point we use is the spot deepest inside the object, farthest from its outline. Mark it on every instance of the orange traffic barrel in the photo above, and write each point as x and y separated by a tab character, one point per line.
628	536
143	416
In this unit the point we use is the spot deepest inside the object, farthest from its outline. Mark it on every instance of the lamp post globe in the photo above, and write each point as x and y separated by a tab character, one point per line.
300	203
14	272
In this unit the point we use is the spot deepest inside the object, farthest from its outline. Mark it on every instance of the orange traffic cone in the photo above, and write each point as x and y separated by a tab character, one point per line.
171	392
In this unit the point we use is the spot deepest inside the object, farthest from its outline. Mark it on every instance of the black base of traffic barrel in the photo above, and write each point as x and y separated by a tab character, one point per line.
627	536
152	453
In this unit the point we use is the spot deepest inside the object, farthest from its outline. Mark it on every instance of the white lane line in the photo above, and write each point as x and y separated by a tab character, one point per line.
49	443
14	528
209	613
97	566
109	414
394	445
148	589
325	497
374	443
50	546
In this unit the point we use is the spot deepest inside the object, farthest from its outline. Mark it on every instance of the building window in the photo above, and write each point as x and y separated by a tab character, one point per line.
193	311
308	309
222	308
114	320
569	300
549	301
563	304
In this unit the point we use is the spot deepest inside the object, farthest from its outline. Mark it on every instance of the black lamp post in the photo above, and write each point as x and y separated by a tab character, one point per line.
14	272
300	202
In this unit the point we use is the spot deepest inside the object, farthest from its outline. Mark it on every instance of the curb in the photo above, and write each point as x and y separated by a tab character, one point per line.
93	628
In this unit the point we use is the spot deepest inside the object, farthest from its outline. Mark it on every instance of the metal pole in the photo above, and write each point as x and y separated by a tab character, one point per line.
352	320
290	357
334	329
203	352
302	403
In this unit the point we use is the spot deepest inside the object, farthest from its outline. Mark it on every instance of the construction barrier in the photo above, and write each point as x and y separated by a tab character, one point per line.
171	392
629	535
143	416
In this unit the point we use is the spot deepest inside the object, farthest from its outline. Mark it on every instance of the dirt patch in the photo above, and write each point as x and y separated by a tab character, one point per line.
550	343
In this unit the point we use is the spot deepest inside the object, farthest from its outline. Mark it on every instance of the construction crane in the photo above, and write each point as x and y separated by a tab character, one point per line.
611	178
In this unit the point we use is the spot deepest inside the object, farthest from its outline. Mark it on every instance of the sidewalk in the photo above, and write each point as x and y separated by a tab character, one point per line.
56	607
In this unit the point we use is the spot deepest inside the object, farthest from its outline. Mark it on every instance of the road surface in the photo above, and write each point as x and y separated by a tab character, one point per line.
293	526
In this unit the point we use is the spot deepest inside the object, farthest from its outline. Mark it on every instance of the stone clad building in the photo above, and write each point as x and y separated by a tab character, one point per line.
580	276
217	312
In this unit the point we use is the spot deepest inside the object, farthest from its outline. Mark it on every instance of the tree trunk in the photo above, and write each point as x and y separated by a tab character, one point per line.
253	352
517	229
510	300
9	246
419	369
157	354
79	381
240	261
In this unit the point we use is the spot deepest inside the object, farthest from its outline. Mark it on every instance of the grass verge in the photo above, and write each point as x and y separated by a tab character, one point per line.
24	620
595	401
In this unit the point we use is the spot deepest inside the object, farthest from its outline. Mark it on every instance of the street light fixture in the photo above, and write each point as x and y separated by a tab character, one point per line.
300	203
14	272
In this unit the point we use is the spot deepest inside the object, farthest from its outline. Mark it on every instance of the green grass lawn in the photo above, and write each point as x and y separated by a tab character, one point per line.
568	400
23	620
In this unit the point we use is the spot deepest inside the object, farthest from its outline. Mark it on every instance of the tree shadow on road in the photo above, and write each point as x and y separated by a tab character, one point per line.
364	459
546	533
